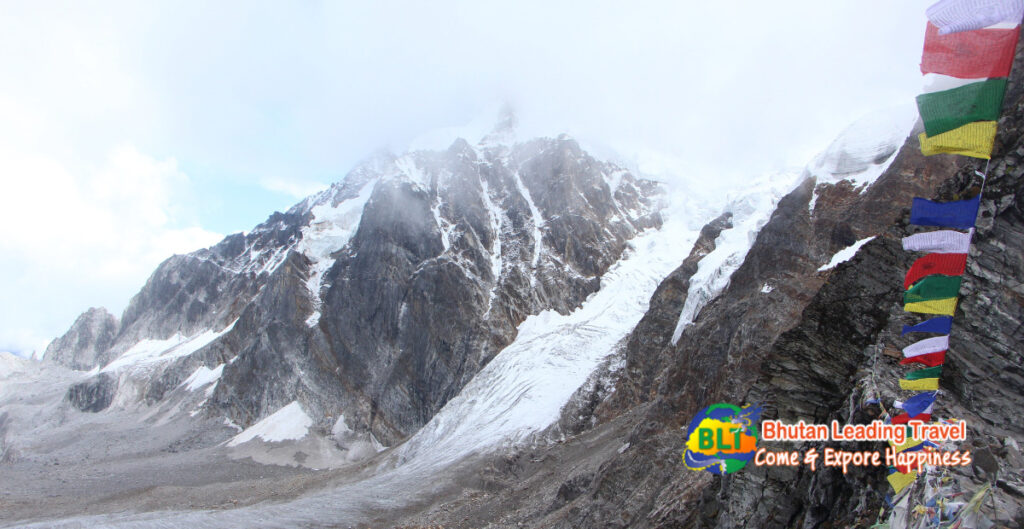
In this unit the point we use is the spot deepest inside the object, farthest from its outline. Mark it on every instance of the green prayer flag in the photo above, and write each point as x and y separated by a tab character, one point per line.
931	372
951	109
933	288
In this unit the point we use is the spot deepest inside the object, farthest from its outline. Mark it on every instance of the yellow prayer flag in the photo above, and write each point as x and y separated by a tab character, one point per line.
908	444
973	139
924	384
900	481
944	307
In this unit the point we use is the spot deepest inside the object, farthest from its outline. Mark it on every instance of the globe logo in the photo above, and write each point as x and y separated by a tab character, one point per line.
722	438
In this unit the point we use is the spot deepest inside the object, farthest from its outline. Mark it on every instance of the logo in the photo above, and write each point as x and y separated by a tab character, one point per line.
722	438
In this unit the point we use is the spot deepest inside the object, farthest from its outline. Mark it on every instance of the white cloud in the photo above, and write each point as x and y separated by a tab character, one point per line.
75	236
293	187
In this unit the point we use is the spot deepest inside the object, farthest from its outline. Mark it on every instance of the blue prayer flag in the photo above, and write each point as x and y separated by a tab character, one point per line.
916	405
939	325
960	214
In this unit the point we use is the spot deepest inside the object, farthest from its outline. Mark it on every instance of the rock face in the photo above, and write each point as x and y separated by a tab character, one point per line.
87	343
94	394
380	297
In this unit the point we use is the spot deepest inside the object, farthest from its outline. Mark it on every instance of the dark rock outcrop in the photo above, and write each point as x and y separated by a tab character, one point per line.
94	394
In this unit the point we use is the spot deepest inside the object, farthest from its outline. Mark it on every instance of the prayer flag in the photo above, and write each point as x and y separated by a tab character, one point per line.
952	16
973	139
951	109
937	325
930	359
920	403
984	53
924	384
958	214
928	372
942	241
928	345
899	480
944	307
933	288
947	264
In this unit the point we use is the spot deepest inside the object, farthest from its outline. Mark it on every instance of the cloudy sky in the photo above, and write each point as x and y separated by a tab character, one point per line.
132	131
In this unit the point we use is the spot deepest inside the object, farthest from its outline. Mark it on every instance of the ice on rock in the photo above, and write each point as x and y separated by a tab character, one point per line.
845	254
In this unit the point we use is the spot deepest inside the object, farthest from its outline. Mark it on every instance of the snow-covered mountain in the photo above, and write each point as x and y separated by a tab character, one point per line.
428	320
371	304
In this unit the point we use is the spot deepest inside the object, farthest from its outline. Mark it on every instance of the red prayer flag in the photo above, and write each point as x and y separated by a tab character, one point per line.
930	359
983	53
906	469
904	418
947	264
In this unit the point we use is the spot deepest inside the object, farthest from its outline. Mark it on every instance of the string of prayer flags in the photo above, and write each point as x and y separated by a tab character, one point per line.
969	63
958	214
946	264
986	53
953	16
937	325
966	62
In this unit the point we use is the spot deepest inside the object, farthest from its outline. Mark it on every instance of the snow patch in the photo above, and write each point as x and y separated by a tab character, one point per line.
148	352
340	429
845	254
538	221
442	225
287	423
495	215
766	289
410	171
330	230
204	376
